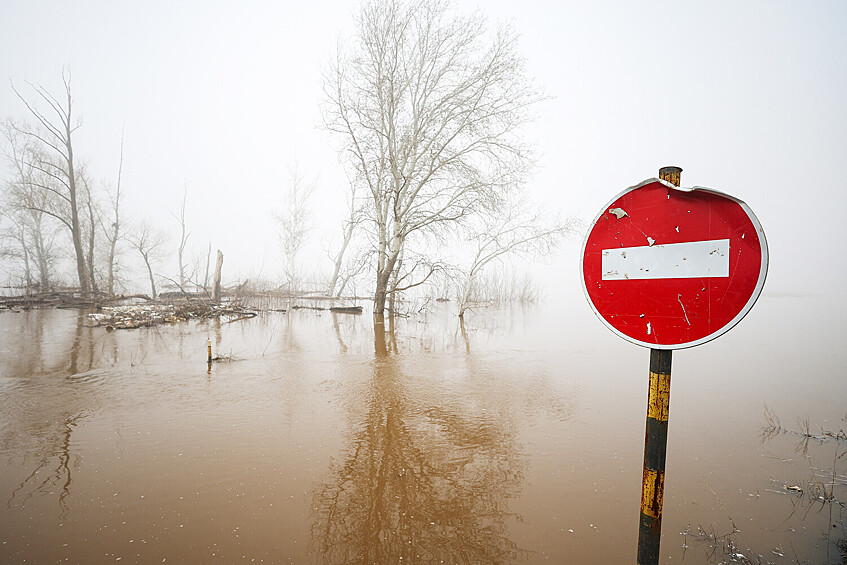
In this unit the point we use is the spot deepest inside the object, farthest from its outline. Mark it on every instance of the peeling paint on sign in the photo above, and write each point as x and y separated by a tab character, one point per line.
618	212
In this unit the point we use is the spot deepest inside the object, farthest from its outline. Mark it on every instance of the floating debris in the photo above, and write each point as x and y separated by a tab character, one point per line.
147	315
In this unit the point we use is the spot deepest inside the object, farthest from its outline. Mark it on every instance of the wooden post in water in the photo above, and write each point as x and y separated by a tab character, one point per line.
655	438
209	349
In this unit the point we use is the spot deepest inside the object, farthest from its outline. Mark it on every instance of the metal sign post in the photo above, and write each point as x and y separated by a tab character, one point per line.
668	268
655	447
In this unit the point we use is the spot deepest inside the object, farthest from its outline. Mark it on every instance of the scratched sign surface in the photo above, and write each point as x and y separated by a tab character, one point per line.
669	268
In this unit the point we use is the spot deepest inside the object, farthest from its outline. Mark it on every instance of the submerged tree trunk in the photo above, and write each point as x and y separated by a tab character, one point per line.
383	277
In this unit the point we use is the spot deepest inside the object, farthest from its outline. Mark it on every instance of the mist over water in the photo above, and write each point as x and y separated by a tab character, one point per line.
514	438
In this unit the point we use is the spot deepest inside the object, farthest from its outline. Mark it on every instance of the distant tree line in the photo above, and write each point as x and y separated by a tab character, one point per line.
50	206
428	107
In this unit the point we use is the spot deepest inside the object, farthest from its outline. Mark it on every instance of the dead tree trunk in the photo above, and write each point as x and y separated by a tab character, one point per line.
216	285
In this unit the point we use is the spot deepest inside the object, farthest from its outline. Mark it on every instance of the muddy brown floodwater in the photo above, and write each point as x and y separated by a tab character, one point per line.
516	439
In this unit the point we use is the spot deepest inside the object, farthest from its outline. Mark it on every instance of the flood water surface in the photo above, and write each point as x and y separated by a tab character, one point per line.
516	437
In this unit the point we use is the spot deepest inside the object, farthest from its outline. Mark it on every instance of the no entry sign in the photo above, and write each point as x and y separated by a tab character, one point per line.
669	268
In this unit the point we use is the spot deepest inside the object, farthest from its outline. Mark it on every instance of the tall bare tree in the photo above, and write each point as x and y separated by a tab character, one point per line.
53	158
428	104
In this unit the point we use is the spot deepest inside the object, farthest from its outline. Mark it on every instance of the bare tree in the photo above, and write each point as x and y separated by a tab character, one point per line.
29	226
295	223
52	157
114	232
428	104
149	243
513	231
183	239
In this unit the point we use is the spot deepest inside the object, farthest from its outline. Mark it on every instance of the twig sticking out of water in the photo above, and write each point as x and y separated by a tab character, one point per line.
773	427
820	490
722	545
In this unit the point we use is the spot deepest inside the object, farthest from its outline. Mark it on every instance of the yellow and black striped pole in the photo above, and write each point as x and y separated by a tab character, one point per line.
655	438
655	448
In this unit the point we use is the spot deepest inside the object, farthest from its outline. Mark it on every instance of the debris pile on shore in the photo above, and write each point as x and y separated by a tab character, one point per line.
147	315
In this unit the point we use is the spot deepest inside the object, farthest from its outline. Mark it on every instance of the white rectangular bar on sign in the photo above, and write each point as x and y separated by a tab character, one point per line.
694	259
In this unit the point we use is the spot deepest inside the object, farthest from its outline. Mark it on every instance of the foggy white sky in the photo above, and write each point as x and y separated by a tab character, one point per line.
749	98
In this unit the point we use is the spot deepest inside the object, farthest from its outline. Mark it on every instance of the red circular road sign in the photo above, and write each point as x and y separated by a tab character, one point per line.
669	268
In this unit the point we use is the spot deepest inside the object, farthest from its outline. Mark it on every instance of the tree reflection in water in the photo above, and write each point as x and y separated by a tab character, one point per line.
53	470
422	481
41	351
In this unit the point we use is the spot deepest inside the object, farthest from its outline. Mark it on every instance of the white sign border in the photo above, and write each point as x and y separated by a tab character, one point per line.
763	271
